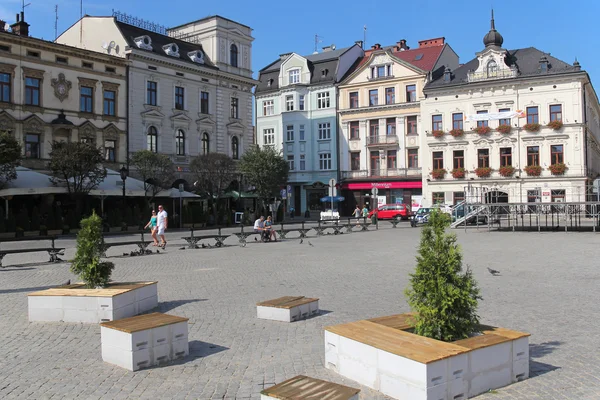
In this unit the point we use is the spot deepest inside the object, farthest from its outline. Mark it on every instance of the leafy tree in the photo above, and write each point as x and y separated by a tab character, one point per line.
444	298
10	155
77	165
265	169
213	173
90	248
156	170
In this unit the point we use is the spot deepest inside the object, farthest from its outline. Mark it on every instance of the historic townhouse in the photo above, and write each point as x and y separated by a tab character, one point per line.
52	92
296	111
510	126
380	117
190	87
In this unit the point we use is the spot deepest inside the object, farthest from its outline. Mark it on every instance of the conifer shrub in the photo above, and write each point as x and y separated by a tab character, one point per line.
90	248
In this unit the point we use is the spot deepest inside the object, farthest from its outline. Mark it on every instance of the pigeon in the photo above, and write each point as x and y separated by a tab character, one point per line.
310	244
203	246
301	241
493	271
255	239
182	248
243	245
157	252
125	254
67	283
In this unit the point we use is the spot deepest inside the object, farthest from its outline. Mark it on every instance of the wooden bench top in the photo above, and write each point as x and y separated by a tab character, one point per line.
79	290
397	321
287	302
143	322
17	251
303	387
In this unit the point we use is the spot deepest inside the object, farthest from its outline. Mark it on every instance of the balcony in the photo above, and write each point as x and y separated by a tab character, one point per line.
383	173
382	140
473	76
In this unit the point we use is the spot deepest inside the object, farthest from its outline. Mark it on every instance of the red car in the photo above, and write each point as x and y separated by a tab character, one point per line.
391	211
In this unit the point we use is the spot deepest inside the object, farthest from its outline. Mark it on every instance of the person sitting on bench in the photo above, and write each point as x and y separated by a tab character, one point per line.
269	231
259	225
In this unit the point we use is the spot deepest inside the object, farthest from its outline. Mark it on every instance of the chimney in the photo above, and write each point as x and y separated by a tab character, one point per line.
21	27
376	46
2	25
401	45
577	65
432	42
359	43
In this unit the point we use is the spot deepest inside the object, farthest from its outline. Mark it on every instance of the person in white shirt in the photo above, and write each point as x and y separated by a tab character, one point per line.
162	225
259	225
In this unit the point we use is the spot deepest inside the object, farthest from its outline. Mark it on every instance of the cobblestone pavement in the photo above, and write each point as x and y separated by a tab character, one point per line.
548	286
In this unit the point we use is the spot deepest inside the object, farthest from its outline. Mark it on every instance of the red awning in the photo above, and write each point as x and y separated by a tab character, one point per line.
383	185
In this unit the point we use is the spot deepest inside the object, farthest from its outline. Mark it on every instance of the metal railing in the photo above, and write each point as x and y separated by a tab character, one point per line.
383	172
382	139
499	74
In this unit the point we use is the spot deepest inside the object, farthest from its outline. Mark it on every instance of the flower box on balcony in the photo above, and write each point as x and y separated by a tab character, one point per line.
483	172
458	173
504	129
531	127
558	169
533	170
457	132
556	125
437	134
483	130
438	173
507	171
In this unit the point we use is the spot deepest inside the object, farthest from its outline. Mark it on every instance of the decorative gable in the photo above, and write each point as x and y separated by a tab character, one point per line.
205	122
294	70
492	65
235	128
7	122
87	130
34	124
180	121
111	132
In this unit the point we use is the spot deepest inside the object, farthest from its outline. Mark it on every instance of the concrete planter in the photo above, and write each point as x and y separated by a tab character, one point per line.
287	308
74	303
380	353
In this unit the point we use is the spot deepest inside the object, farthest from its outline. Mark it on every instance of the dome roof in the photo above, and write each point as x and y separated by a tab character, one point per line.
493	37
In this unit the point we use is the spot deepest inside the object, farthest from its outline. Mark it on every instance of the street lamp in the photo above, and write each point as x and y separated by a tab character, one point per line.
124	173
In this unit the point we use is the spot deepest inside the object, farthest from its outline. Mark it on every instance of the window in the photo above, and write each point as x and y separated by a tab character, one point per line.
458	197
505	156
458	159
557	196
268	137
301	102
354	100
390	95
483	158
32	146
234	107
289	103
354	130
268	107
294	76
179	91
556	112
109	150
301	132
411	93
32	91
152	139
375	160
411	125
381	71
151	93
373	73
438	198
5	88
87	140
290	133
533	155
4	48
457	121
235	148
180	143
35	54
436	122
110	70
109	102
492	69
233	55
390	126
323	100
62	60
438	159
504	121
290	160
204	102
391	159
302	162
205	143
153	68
324	131
556	154
532	115
533	196
88	65
325	161
374	128
355	161
373	97
86	99
413	158
481	124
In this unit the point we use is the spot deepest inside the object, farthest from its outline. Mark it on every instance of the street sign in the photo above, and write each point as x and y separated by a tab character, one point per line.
332	188
181	187
283	193
289	195
374	191
289	189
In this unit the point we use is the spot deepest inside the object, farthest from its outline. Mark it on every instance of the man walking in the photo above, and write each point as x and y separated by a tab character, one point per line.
162	225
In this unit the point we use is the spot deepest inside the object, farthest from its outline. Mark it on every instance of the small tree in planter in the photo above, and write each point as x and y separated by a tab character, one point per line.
531	127
558	169
483	130
483	172
505	129
90	247
442	295
438	173
533	170
556	125
458	173
507	171
457	132
437	134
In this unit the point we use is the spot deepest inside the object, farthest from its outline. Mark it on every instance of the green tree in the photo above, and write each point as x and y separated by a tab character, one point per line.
10	155
213	173
90	248
266	170
156	170
443	296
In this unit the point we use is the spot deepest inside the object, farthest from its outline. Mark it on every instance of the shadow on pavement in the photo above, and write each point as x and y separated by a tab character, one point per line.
537	368
165	306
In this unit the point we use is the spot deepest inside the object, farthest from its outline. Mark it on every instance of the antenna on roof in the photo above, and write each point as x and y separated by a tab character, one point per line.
317	41
364	37
23	5
55	21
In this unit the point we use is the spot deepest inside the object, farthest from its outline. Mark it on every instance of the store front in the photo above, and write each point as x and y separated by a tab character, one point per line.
407	192
314	193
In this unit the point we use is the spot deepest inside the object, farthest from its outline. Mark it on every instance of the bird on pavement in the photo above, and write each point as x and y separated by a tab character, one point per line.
493	271
255	239
65	283
203	246
301	241
157	252
243	245
310	244
182	248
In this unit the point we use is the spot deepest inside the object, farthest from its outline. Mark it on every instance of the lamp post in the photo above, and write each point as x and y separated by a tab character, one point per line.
124	173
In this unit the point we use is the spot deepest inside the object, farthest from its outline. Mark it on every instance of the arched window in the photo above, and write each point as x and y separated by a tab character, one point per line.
233	55
152	139
492	69
180	143
205	143
235	148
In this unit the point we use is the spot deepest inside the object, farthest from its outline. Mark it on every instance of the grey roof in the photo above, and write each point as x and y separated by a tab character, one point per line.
527	62
130	32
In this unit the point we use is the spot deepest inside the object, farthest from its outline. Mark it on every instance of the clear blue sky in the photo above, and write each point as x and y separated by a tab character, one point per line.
566	29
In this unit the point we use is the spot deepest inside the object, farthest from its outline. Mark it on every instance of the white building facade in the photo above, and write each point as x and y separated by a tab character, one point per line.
510	126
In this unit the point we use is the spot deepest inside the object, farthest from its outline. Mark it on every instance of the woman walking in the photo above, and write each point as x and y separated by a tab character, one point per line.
152	225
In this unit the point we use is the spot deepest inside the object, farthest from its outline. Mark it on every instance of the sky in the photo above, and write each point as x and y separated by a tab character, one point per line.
565	29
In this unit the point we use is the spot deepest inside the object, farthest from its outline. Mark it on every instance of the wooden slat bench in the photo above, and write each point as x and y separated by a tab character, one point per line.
306	388
52	251
287	308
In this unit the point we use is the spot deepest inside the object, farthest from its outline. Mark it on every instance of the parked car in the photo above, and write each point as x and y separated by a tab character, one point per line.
391	211
421	216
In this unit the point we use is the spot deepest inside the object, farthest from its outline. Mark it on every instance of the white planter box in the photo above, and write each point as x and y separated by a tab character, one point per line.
74	303
144	341
288	308
301	387
379	354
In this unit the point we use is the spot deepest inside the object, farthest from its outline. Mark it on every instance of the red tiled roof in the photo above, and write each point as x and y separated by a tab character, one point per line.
426	62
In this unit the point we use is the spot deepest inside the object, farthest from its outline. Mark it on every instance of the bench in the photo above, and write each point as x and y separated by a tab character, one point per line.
52	251
287	308
304	387
144	341
141	244
192	240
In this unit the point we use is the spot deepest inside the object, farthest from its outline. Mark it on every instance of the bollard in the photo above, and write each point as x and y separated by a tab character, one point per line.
192	231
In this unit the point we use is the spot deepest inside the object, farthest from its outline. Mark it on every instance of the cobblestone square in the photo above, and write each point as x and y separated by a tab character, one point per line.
547	286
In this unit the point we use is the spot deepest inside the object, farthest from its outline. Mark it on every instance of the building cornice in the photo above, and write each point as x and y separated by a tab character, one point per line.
383	107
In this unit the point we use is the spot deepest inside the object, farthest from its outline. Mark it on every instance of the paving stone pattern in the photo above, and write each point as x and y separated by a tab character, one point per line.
548	286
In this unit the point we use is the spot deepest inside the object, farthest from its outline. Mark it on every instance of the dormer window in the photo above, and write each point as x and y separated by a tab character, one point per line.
143	42
294	76
270	82
171	49
196	56
544	64
492	69
324	73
